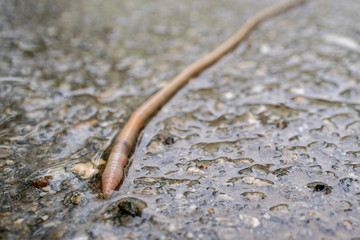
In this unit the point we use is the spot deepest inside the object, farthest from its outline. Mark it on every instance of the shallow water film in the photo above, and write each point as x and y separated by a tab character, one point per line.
265	144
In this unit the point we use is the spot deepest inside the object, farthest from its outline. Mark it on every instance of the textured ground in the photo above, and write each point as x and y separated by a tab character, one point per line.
262	145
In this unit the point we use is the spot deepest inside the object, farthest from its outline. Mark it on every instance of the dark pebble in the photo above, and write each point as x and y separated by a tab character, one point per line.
41	182
169	140
131	206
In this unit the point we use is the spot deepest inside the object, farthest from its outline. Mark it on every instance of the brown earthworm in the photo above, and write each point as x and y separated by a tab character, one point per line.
124	143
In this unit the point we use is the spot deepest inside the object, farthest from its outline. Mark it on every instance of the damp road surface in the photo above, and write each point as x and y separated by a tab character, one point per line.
265	144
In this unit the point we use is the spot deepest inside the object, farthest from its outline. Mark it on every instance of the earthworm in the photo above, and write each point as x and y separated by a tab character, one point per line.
124	142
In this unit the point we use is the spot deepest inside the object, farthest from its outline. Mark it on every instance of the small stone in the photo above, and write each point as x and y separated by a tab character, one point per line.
148	191
258	182
52	31
254	222
347	224
19	221
41	182
74	198
131	206
10	162
154	147
224	197
172	227
257	88
5	214
254	195
189	235
246	65
297	90
4	152
300	100
312	214
229	95
194	170
202	166
169	141
211	210
98	162
281	124
85	170
77	199
47	188
265	49
250	221
129	235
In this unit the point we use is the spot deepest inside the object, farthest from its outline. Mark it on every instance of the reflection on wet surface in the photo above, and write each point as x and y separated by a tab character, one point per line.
264	144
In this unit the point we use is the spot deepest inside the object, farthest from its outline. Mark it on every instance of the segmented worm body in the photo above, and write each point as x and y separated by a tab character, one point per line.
124	143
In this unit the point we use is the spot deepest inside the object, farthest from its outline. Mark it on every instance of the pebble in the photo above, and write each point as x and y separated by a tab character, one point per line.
131	206
98	162
52	31
189	235
19	221
229	95
224	197
249	221
246	64
5	214
41	182
211	210
194	170
4	152
257	181
10	162
254	195
85	170
265	49
172	227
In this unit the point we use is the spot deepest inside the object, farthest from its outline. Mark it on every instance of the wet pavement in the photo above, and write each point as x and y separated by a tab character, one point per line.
262	145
